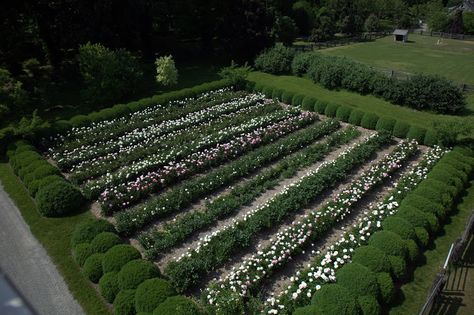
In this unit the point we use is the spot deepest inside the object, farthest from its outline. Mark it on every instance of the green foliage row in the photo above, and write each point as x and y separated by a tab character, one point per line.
354	116
368	282
54	195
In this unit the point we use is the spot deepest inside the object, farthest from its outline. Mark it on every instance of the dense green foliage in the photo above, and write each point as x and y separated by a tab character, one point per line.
177	305
119	255
135	272
334	299
275	60
93	267
358	279
124	303
151	293
89	229
58	199
108	286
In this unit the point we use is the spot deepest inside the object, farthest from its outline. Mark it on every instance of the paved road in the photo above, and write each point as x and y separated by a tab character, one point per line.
29	267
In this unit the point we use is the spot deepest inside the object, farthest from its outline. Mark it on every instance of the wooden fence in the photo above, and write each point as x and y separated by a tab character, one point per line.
443	35
310	46
454	255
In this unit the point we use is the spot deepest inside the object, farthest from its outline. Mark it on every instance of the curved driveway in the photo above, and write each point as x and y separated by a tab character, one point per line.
28	265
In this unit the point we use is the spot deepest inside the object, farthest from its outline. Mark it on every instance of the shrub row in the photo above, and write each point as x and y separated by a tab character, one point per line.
353	116
368	281
53	194
423	92
131	283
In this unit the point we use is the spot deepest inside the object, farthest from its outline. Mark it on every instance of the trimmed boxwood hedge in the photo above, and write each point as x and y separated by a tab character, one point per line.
413	250
105	241
331	109
268	91
151	293
386	124
116	257
35	185
401	129
398	266
416	217
308	103
431	138
81	252
343	113
356	117
297	100
358	279
135	272
124	303
177	305
386	287
58	199
93	267
368	305
88	230
334	299
287	97
371	257
369	120
108	286
276	94
389	242
422	236
320	106
416	133
399	226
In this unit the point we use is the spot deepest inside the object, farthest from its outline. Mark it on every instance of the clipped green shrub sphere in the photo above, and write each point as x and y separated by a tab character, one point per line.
108	286
414	216
305	310
389	242
124	303
334	299
151	293
368	305
93	267
386	287
177	305
331	109
268	90
277	94
321	106
44	171
434	195
401	129
416	133
413	250
88	230
135	272
297	100
422	237
399	226
81	252
371	257
287	97
116	257
105	241
80	121
58	199
398	266
369	121
358	279
308	103
431	138
343	113
423	204
386	124
35	185
355	117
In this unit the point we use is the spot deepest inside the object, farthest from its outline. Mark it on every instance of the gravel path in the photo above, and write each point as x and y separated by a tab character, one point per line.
29	267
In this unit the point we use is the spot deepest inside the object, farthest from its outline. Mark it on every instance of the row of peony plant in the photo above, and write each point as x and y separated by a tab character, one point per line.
108	129
66	159
160	239
120	193
176	199
296	238
217	247
109	162
176	153
322	269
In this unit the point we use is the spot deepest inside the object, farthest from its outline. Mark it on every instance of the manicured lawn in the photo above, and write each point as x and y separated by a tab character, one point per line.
365	102
421	54
55	235
414	293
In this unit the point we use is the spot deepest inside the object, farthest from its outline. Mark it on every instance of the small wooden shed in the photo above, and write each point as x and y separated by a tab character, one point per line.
400	35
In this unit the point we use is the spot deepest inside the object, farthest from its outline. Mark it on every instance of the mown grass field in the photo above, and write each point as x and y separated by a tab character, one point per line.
451	58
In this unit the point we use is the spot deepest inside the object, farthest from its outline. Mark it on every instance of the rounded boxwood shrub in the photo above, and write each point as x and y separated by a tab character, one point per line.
422	237
334	299
416	217
124	303
359	280
30	168
151	293
423	204
287	97
108	286
398	266
105	241
401	129
277	94
81	252
62	126
416	133
386	124
389	242
320	106
356	117
93	267
305	310
369	121
297	100
451	170
431	138
87	231
343	113
368	305
36	184
331	109
116	257
413	250
80	121
177	305
386	287
44	171
268	91
58	199
438	186
434	195
135	272
371	257
399	226
456	163
308	103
